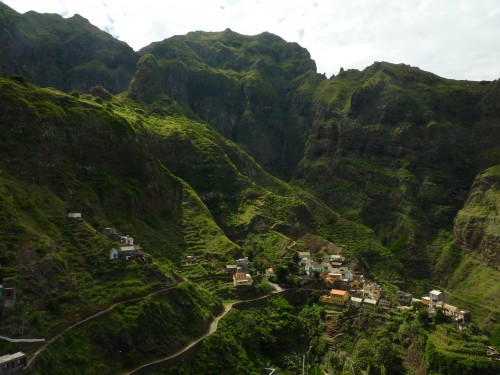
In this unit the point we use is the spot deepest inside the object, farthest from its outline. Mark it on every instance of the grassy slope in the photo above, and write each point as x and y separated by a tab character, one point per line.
475	278
66	53
241	85
174	184
399	148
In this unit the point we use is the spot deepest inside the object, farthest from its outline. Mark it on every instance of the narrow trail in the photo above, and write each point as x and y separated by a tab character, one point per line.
21	340
151	366
102	312
144	368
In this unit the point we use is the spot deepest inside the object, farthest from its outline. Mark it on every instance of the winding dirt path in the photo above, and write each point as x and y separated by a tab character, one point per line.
102	312
21	340
156	364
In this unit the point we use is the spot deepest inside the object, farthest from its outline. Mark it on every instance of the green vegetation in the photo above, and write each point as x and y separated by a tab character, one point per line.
69	54
248	339
131	333
395	167
336	340
451	352
174	184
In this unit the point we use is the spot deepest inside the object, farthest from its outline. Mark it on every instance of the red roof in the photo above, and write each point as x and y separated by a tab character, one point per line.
338	292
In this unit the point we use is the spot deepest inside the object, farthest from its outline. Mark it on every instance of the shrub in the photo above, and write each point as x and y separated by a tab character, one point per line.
19	78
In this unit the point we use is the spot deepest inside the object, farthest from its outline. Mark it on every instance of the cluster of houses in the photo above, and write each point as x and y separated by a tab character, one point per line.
240	272
351	288
374	295
332	270
127	249
328	265
7	300
435	300
359	293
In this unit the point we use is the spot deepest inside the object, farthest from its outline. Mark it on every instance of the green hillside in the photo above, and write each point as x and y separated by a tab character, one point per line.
175	184
66	53
213	146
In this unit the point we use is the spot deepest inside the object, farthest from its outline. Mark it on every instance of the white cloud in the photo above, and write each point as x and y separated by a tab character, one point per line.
452	38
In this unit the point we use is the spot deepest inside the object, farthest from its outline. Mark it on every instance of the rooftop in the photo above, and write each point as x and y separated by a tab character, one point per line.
337	292
11	357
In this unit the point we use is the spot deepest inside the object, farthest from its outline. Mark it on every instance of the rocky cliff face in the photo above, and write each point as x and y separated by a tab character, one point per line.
243	86
69	54
477	225
398	148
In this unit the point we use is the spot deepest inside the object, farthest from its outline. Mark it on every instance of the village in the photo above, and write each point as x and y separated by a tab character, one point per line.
330	273
346	287
349	288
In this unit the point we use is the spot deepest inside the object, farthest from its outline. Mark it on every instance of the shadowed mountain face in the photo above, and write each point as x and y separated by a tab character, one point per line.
66	53
245	87
398	148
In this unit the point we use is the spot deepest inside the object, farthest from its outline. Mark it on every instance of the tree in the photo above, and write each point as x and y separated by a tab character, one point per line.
281	273
439	316
423	317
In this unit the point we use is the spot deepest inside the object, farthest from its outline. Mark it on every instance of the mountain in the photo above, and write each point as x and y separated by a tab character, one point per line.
175	184
400	148
66	53
243	86
220	145
391	147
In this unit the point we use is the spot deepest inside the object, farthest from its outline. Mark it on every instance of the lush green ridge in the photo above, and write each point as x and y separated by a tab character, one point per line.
175	184
241	85
131	334
309	337
399	147
397	165
69	54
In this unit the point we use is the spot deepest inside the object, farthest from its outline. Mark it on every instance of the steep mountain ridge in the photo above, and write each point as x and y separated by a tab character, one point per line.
66	53
476	226
400	148
175	184
396	165
241	85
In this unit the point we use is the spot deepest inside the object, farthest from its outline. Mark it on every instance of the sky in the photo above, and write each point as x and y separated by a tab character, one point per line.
458	39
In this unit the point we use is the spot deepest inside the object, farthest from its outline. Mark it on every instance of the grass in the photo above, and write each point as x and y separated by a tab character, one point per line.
180	188
140	331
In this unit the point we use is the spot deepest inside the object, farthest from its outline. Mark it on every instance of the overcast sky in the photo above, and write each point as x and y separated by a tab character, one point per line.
457	39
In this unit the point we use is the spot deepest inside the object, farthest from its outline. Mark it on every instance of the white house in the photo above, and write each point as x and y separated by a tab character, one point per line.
435	297
113	254
334	258
316	267
304	258
131	250
127	240
12	363
356	301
